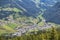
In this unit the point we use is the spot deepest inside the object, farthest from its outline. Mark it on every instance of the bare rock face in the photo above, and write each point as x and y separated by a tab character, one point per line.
53	14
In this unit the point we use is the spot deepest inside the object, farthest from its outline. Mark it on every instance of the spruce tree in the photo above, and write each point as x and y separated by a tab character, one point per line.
42	36
54	35
47	36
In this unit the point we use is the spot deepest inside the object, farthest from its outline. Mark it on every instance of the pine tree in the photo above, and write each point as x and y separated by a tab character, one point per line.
54	35
29	37
20	38
42	36
47	36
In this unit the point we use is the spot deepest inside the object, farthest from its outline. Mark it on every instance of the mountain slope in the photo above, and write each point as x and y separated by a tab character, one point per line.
53	14
29	8
22	13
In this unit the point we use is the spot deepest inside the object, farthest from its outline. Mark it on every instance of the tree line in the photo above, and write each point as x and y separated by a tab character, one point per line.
50	34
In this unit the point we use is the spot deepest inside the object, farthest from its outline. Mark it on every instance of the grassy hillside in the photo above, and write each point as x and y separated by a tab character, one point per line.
5	24
15	20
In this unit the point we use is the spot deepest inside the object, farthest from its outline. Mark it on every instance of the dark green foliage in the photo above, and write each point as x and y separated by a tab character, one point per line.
53	34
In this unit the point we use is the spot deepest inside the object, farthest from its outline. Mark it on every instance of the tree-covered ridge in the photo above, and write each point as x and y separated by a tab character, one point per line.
50	34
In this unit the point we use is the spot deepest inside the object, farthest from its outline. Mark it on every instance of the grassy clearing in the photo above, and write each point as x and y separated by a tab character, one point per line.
41	24
6	29
12	25
11	9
